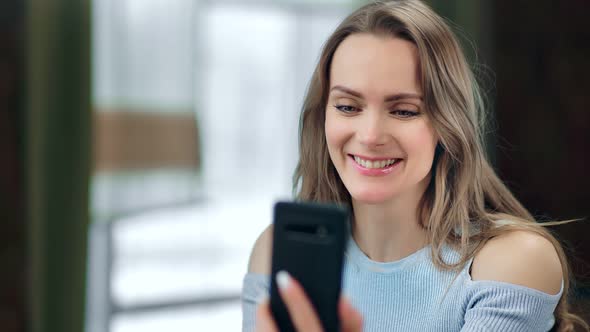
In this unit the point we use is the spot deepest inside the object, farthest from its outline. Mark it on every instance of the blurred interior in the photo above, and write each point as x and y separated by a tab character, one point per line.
144	142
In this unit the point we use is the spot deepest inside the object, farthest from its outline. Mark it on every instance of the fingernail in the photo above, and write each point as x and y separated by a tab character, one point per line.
283	279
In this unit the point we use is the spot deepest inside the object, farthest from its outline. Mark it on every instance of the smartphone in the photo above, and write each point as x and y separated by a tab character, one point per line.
308	242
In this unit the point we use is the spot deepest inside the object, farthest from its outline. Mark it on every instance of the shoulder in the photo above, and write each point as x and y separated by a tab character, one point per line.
519	257
261	253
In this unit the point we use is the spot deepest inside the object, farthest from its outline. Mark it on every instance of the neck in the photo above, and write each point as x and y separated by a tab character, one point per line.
389	231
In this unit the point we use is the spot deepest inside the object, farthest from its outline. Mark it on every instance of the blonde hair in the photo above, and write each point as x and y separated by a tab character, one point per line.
465	202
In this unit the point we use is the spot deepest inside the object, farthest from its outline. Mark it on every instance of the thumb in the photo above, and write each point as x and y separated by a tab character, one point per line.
350	319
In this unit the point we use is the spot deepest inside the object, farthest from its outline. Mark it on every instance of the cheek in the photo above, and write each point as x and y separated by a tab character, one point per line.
329	132
422	141
335	133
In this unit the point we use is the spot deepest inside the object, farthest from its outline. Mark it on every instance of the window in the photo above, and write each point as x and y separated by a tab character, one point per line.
197	104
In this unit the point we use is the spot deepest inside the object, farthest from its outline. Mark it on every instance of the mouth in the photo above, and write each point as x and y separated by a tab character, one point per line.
375	163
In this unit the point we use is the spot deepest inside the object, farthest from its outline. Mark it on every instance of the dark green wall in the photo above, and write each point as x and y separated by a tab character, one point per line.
57	161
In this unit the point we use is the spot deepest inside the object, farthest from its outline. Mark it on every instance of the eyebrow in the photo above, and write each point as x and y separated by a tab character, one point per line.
393	97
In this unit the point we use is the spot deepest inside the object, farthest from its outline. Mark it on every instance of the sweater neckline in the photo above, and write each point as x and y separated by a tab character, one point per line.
358	257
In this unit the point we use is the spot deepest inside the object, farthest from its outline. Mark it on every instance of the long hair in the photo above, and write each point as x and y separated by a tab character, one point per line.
465	203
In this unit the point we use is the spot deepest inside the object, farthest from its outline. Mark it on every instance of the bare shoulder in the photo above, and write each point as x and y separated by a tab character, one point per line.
261	253
519	257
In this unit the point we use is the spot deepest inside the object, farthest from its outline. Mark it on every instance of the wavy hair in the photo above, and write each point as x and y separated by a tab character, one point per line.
465	203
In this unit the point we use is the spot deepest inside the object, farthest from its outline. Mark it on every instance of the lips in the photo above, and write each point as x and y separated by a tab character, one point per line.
378	163
373	163
374	166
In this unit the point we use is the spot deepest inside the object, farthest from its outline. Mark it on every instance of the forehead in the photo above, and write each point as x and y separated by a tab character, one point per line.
376	65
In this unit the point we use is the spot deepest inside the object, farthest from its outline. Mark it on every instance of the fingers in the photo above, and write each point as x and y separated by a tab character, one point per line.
350	319
264	320
300	308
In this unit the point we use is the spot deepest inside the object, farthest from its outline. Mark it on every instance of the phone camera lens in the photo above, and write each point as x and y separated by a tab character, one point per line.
322	231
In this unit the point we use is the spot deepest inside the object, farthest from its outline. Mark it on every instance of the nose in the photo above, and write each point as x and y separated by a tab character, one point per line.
371	130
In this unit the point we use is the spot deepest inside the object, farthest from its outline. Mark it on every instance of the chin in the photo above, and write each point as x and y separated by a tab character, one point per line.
372	196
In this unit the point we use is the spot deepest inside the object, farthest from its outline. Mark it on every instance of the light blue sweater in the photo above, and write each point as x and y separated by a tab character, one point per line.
412	295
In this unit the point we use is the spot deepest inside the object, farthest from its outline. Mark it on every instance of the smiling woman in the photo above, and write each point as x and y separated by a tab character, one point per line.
391	129
375	123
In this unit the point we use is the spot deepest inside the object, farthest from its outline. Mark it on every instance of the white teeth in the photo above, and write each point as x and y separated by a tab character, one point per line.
374	164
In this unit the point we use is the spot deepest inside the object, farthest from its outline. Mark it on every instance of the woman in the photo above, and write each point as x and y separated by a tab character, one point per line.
391	128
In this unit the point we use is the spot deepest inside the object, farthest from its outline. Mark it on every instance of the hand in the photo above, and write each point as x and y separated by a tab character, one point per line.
302	312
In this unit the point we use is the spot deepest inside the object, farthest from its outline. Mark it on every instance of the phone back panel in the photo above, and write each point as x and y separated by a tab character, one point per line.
308	242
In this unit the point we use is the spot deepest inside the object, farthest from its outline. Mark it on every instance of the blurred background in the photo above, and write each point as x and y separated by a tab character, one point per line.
143	143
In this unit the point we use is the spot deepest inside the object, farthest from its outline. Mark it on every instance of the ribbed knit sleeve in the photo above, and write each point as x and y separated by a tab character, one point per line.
498	306
255	288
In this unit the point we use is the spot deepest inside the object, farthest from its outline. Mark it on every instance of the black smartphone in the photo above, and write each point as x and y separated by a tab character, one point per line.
308	242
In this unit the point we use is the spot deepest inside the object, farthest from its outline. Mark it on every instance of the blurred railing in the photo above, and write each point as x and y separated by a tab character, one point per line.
101	258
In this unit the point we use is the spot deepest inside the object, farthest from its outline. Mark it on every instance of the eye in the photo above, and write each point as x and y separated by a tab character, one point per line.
405	113
346	109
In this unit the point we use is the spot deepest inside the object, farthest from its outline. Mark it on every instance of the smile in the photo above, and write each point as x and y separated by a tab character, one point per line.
374	167
374	164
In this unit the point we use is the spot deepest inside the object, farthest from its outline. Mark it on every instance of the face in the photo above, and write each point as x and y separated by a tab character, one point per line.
378	134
